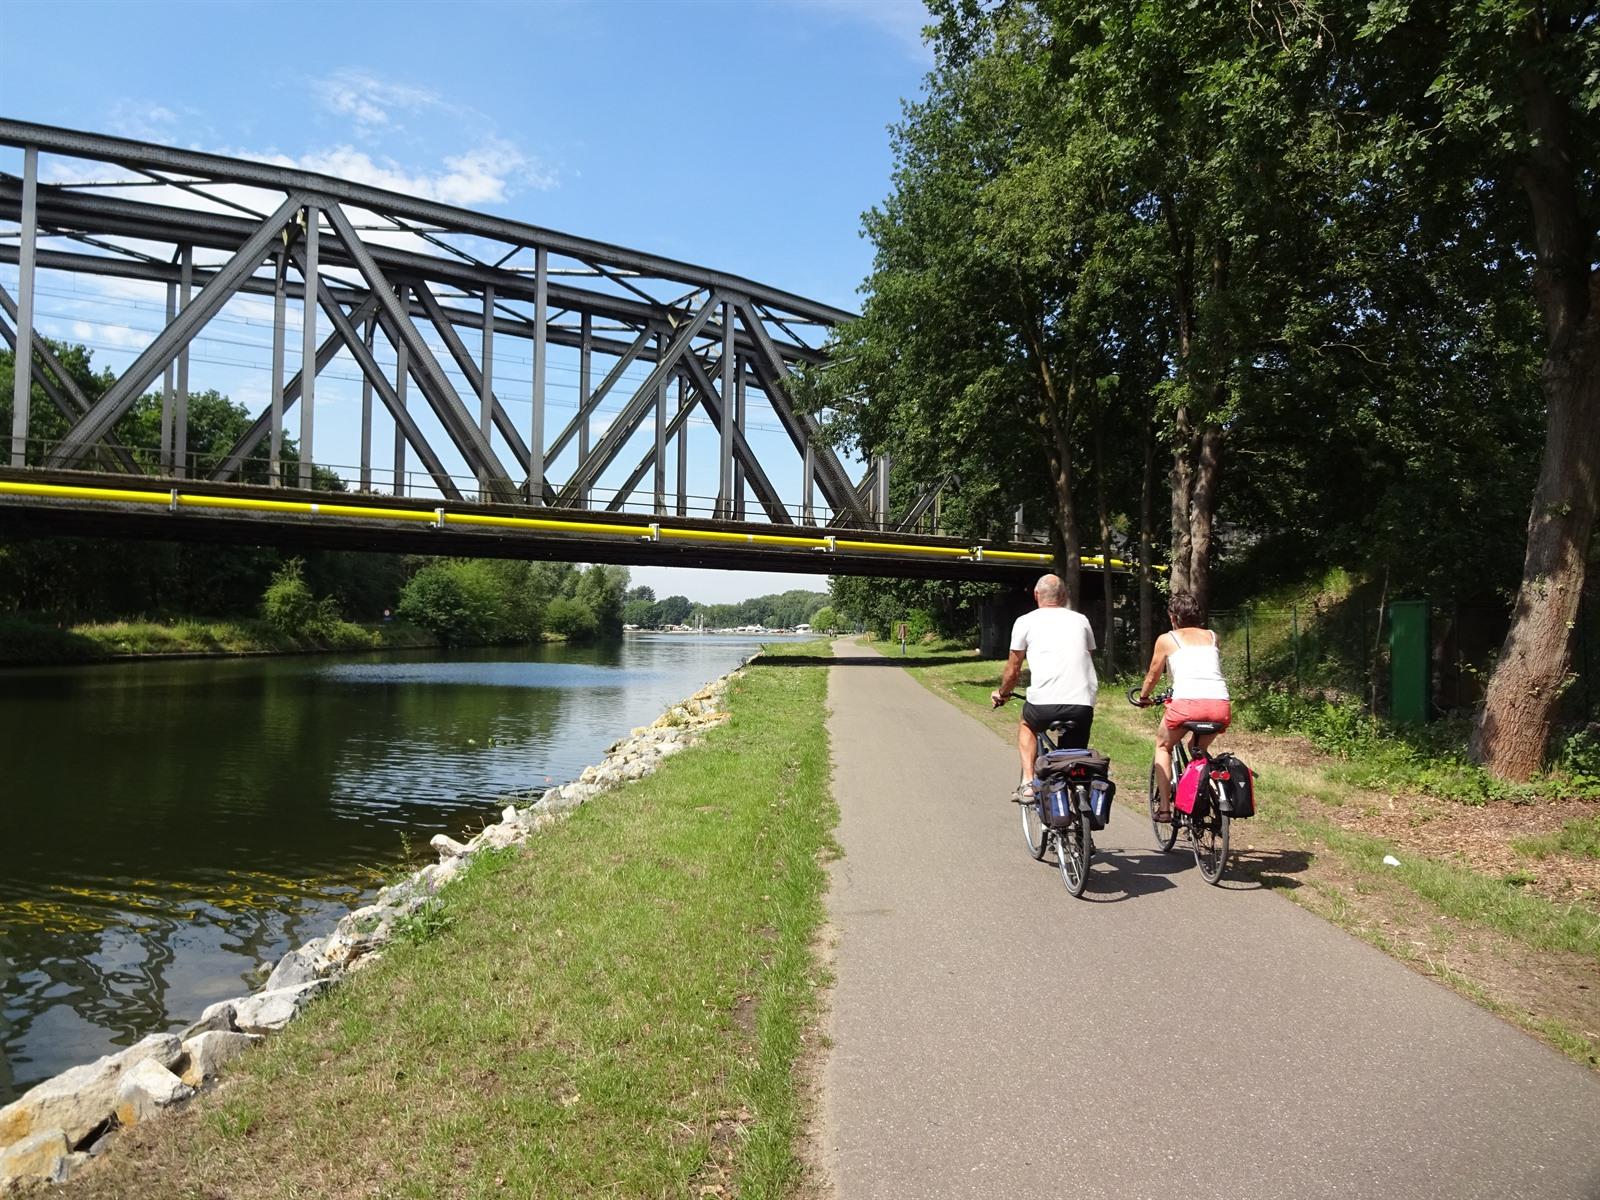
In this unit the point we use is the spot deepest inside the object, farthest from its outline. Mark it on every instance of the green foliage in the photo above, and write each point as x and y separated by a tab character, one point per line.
782	610
571	618
1430	759
458	600
289	606
1579	837
825	619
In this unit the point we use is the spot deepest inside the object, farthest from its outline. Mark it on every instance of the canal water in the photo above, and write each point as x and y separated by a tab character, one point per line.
165	827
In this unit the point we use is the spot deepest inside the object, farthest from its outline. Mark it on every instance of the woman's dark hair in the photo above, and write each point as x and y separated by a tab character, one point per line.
1185	611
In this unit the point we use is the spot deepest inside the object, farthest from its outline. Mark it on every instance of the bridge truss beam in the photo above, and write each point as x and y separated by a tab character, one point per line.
393	277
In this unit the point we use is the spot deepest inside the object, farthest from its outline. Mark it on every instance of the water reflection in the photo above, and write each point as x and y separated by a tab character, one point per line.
171	825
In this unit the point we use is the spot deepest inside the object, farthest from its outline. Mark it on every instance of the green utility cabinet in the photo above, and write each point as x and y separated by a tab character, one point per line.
1408	660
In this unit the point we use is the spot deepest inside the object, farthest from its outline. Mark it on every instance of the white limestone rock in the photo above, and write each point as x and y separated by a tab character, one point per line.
218	1016
208	1053
295	967
266	1011
447	846
146	1090
44	1157
79	1100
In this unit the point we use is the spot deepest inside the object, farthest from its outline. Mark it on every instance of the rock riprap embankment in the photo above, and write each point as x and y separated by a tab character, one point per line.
59	1124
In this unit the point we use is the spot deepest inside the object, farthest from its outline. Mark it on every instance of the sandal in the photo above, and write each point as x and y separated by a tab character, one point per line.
1023	794
1163	816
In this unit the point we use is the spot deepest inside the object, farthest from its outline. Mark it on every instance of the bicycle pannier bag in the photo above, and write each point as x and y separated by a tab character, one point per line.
1055	803
1074	764
1101	793
1192	794
1236	785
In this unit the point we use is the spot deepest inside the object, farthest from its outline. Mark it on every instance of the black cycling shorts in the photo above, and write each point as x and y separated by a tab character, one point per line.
1076	717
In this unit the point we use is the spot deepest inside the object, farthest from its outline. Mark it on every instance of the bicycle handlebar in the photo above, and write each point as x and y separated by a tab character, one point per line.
1158	698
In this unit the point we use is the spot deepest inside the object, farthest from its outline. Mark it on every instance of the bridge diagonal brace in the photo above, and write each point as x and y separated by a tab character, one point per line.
587	409
717	410
346	328
425	368
633	412
66	395
224	284
802	428
469	368
679	419
262	425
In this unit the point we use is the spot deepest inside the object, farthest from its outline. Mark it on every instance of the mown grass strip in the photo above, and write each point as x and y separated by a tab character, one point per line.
616	1010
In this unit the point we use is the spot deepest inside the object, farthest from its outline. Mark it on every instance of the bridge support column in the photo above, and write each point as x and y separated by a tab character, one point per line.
541	338
279	333
585	366
738	424
308	349
725	455
997	613
808	485
180	404
402	374
659	475
683	449
22	383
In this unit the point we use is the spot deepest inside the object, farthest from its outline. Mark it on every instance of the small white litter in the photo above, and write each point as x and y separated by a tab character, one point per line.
1390	860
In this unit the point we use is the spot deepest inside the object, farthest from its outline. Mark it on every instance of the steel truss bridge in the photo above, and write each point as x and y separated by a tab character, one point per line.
403	287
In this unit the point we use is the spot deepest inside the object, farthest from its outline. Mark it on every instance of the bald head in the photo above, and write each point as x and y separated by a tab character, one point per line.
1050	592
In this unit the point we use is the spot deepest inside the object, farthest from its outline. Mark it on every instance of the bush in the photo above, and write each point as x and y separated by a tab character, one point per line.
571	618
289	606
455	600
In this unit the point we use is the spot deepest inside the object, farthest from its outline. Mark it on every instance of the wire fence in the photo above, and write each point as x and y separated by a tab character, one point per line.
1342	651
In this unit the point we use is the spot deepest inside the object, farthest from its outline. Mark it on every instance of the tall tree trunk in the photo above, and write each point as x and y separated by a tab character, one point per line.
1058	412
1147	488
1203	514
1108	593
1520	705
1182	480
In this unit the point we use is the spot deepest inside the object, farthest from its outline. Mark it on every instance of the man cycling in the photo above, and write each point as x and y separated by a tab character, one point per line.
1058	643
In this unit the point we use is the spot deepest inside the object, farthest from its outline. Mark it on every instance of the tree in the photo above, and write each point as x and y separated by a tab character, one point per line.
825	620
675	610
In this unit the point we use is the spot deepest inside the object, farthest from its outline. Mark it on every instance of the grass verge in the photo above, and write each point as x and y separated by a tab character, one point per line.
618	1009
30	643
1518	954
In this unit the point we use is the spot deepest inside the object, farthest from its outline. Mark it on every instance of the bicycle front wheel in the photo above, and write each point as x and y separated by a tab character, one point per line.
1072	854
1210	838
1034	833
1166	834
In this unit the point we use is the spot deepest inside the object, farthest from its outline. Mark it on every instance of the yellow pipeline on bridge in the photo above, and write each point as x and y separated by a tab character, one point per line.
176	498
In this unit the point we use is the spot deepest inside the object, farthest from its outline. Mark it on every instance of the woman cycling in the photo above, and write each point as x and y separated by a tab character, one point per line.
1199	693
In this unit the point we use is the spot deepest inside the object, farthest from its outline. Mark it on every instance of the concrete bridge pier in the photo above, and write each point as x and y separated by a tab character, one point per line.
999	611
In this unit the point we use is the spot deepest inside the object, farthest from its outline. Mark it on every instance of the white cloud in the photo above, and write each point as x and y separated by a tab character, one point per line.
142	119
371	101
485	174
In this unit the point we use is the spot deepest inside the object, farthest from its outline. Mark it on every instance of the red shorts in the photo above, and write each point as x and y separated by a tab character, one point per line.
1179	711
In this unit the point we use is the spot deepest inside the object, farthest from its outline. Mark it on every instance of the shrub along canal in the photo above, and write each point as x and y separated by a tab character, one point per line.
171	825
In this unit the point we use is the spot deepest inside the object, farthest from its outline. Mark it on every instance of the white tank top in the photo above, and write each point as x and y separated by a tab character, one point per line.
1196	671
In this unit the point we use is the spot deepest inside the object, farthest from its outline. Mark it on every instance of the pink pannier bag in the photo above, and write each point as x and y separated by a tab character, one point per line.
1191	787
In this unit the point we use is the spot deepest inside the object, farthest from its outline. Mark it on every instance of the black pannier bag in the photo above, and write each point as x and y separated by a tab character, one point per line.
1072	764
1059	771
1236	786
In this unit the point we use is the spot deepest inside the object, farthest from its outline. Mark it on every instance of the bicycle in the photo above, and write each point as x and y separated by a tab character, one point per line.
1073	839
1207	826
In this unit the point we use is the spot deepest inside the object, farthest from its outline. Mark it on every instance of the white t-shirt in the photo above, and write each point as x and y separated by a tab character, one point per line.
1058	643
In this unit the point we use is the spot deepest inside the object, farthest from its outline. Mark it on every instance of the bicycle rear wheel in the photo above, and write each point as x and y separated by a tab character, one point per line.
1034	833
1167	834
1072	853
1210	838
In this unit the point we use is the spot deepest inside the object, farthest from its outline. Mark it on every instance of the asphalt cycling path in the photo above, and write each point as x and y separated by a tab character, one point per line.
994	1037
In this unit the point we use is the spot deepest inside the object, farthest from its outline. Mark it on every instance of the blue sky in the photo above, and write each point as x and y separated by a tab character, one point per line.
744	136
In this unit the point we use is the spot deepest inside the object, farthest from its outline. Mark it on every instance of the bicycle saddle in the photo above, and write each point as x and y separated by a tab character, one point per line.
1205	726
